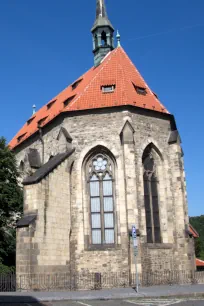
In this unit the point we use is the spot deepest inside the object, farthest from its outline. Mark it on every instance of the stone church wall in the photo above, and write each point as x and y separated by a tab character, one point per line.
61	235
45	244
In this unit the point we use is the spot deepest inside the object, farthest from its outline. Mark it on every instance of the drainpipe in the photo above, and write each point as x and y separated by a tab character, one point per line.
43	145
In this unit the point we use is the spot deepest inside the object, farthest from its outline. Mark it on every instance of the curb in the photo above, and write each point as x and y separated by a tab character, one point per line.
173	295
129	296
56	296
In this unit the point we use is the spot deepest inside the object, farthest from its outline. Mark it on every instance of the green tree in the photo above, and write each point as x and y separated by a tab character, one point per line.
198	224
198	247
11	204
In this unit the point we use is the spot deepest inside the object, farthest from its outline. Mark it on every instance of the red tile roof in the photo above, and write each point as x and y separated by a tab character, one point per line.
85	93
193	231
199	263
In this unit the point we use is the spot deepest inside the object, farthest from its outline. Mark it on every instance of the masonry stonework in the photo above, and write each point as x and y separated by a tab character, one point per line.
59	239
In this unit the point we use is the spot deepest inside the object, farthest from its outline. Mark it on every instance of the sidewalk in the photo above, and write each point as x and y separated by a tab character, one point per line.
121	293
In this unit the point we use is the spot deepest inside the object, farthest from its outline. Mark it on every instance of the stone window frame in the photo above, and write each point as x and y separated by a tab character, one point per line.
108	88
140	90
152	152
21	167
96	152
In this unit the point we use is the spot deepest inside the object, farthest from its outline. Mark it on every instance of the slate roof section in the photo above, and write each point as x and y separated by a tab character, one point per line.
26	220
115	69
174	136
34	158
47	168
66	134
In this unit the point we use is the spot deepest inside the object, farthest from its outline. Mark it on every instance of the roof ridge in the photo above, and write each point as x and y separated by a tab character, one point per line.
139	73
123	74
103	63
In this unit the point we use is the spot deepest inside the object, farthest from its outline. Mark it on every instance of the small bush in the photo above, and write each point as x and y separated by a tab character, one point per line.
5	269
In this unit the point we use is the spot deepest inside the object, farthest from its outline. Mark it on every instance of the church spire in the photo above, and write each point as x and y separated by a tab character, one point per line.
102	31
101	9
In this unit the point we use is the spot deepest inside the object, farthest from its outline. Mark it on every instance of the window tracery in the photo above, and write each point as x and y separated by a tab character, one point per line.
101	193
151	197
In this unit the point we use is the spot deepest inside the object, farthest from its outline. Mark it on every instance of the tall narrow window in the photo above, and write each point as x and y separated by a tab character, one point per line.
104	39
101	188
96	41
21	166
151	199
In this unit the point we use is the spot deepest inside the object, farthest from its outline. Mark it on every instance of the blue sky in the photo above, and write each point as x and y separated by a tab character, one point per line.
46	45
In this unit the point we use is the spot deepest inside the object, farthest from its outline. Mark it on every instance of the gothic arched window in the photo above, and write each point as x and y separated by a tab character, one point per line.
151	198
22	166
96	41
100	172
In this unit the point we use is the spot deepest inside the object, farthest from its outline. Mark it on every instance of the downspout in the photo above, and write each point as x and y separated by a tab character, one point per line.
43	145
70	220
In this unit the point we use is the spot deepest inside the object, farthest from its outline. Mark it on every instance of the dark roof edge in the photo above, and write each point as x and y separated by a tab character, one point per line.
26	220
93	110
47	168
174	137
194	230
116	108
66	134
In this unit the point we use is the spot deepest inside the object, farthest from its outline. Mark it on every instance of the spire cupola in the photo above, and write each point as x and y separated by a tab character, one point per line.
102	31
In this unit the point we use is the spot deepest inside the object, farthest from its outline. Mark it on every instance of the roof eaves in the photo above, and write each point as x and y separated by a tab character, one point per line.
102	22
79	111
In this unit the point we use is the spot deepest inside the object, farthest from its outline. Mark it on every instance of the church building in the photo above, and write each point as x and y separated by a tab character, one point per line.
103	155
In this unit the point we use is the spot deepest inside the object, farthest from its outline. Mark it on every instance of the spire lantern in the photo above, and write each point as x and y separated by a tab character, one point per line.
102	31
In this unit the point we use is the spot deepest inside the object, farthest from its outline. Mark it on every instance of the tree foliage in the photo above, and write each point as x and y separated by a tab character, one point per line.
198	224
11	203
198	247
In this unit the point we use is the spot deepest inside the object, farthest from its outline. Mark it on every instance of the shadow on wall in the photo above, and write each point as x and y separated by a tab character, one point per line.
13	300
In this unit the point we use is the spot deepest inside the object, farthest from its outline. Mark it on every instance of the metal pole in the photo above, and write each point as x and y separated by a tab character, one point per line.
136	274
135	250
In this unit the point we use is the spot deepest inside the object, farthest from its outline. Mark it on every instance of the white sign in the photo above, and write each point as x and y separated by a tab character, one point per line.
134	236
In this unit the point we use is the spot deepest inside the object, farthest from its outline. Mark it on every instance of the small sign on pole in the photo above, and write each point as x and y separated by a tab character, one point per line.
135	248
